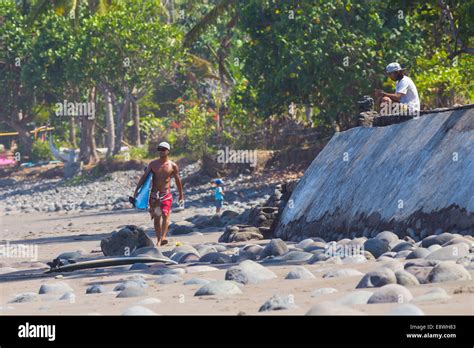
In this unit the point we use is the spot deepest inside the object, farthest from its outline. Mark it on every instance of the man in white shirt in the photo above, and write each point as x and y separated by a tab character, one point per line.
405	100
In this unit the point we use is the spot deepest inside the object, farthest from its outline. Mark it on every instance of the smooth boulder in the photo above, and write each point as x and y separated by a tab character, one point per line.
439	239
95	289
377	278
125	241
418	253
387	236
216	258
276	247
240	233
299	273
55	288
181	230
249	272
342	273
421	273
141	283
391	293
150	251
406	278
276	303
402	246
448	271
132	291
450	252
376	246
219	288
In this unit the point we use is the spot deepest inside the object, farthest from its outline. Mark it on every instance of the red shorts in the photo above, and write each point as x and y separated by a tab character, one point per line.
160	204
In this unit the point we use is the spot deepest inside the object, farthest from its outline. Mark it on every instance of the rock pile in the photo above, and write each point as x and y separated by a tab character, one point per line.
263	219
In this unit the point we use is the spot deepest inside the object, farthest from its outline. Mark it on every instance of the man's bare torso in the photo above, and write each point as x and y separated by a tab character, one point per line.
162	173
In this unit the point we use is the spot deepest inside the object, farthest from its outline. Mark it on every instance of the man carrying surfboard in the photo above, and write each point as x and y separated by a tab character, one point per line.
161	199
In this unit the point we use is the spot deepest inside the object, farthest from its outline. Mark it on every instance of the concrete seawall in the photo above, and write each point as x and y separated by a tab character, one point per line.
414	178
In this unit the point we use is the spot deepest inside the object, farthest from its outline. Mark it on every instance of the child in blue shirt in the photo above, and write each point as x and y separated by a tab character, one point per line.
218	195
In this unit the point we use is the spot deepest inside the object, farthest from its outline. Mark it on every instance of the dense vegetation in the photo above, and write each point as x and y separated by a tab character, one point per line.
203	74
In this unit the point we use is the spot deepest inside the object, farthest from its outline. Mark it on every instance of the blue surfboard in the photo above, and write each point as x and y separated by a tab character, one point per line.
141	201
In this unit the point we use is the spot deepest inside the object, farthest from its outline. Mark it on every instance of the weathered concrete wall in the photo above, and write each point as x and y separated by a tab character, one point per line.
414	178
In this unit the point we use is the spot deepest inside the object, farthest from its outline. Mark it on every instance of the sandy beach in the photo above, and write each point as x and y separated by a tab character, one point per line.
59	232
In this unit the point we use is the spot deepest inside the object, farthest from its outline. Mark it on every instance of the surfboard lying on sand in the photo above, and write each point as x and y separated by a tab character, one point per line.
109	262
141	201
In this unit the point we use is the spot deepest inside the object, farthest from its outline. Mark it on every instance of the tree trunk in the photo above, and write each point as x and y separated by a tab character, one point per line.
308	112
25	141
126	118
109	120
88	152
136	124
94	157
88	149
84	153
72	132
121	109
171	17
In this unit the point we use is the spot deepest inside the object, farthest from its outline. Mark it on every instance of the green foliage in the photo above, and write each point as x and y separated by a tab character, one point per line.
150	125
124	52
40	151
194	130
138	153
15	47
326	54
444	82
240	119
199	127
134	153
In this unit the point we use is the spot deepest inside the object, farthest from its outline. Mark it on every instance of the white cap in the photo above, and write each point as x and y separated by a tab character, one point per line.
392	67
165	145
